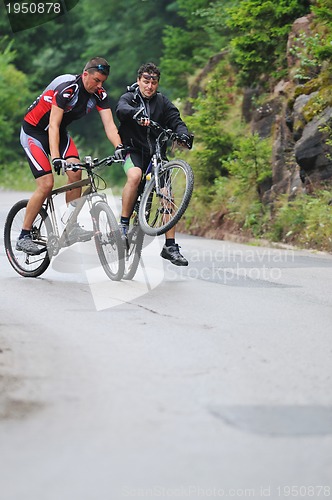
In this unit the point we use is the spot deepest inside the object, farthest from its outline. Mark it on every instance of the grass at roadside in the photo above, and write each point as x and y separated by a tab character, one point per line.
304	221
17	177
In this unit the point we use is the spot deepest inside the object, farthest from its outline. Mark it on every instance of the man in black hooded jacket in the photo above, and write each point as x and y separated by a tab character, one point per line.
145	103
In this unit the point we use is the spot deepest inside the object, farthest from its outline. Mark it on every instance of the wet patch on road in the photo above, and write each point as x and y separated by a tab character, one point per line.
283	420
12	407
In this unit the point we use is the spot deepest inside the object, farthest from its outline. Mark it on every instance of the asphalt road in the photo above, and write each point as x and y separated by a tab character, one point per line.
212	381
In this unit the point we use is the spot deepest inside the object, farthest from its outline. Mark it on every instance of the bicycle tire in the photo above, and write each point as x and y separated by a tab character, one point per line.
29	266
133	251
108	241
157	215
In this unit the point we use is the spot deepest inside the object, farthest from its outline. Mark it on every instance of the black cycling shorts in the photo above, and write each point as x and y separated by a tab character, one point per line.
136	159
36	146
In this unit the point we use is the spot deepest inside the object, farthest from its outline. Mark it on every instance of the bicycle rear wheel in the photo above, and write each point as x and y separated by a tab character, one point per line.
108	241
133	251
158	214
29	266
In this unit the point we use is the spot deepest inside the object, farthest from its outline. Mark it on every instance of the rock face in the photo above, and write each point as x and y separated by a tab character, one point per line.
269	120
312	152
299	127
297	115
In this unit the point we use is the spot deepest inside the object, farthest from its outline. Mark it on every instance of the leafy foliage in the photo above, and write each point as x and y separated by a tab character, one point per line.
14	92
214	143
306	220
322	10
305	48
46	51
250	162
176	64
187	47
126	36
259	36
248	166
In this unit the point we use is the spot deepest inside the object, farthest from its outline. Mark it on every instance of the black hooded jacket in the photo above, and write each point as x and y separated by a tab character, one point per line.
159	109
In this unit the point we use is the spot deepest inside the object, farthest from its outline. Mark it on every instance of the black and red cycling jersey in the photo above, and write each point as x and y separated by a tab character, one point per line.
68	93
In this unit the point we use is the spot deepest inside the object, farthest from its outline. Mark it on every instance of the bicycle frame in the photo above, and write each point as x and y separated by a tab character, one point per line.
157	160
88	194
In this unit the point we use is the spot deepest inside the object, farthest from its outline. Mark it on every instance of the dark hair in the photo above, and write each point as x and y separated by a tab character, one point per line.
97	64
149	68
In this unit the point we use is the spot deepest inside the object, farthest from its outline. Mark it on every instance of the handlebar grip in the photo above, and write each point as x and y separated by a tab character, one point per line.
155	125
185	142
191	140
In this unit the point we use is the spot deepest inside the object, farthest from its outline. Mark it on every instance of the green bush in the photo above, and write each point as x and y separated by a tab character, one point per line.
250	162
305	221
17	176
14	98
213	137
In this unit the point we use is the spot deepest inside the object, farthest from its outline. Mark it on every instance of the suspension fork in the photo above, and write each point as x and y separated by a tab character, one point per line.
156	163
161	192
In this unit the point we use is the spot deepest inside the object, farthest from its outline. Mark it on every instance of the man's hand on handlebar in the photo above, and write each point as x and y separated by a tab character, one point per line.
120	152
144	121
142	118
59	165
185	140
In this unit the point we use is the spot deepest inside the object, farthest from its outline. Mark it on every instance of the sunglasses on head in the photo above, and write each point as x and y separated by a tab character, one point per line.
102	68
154	78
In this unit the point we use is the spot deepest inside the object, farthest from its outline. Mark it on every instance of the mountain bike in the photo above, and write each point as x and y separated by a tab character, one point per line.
46	234
163	197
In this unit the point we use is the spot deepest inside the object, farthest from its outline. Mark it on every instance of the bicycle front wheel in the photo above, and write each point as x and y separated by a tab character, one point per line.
159	213
108	241
29	266
133	250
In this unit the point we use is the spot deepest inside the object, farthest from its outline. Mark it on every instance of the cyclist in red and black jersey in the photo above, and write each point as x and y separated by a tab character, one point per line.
44	134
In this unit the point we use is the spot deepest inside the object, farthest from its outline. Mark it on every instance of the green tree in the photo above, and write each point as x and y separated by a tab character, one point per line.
47	50
259	37
322	10
214	141
250	162
187	47
127	37
14	94
249	166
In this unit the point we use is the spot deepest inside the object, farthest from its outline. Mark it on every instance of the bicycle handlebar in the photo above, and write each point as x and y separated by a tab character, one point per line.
90	163
172	136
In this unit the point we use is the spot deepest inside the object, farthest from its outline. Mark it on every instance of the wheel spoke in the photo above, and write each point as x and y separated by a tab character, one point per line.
160	212
24	264
108	241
